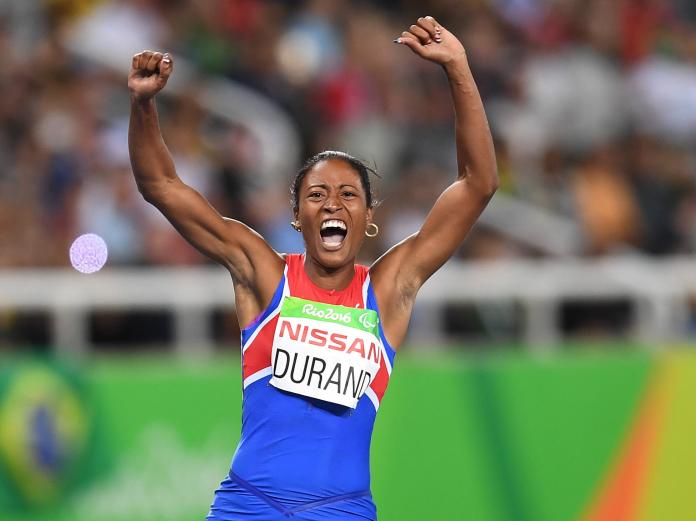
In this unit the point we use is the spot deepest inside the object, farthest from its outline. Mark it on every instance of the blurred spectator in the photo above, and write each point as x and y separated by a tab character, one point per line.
592	103
663	96
661	179
605	200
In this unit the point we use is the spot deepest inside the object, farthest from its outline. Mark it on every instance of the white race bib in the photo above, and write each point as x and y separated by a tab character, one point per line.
325	351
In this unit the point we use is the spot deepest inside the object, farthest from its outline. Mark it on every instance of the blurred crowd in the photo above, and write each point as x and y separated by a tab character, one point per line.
592	104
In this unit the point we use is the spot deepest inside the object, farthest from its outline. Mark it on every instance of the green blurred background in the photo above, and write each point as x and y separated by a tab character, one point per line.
507	437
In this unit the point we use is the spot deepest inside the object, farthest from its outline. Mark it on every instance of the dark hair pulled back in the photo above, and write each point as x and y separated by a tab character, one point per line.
358	165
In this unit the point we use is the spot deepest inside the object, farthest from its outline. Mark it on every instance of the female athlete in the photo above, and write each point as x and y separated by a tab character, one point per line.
319	332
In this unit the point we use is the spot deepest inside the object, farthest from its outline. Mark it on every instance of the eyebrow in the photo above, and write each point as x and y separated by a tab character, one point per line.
326	187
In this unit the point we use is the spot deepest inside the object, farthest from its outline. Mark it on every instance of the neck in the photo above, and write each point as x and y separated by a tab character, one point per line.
329	278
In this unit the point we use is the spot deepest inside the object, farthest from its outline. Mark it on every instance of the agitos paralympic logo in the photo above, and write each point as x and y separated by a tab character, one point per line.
365	322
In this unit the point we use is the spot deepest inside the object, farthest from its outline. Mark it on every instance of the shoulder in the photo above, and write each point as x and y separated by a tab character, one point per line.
362	275
293	262
361	270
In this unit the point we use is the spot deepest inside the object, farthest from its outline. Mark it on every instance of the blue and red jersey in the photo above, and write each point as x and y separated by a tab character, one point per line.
300	456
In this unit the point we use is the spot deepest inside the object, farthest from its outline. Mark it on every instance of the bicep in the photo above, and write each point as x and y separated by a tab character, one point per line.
400	272
226	241
444	230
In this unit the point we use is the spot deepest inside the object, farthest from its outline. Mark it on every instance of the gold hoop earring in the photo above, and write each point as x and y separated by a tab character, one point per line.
296	226
374	233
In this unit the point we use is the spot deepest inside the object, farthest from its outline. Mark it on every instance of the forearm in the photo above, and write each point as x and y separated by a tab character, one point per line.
475	152
151	162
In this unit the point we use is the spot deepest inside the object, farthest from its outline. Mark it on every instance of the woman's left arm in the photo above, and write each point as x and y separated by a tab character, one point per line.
410	263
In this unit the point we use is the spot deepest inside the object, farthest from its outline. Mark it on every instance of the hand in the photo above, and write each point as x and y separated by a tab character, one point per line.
149	74
429	40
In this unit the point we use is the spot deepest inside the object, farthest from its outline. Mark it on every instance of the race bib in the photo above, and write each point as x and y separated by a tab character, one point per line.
324	351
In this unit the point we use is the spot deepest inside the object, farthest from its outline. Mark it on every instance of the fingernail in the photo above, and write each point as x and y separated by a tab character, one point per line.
397	40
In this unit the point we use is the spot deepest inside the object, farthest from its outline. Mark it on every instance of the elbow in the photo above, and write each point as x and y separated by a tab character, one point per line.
493	184
146	193
153	193
151	196
485	183
489	181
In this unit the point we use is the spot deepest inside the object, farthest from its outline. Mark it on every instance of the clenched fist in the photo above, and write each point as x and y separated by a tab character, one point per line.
429	40
149	74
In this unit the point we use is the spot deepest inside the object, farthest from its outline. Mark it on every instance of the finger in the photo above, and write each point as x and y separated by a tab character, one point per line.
166	67
135	63
435	23
427	26
144	57
432	26
141	59
153	61
421	34
410	41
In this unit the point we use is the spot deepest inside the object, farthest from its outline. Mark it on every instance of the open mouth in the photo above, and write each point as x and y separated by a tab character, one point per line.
333	232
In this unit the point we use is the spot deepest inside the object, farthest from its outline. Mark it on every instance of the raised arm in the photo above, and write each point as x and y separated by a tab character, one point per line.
409	264
227	241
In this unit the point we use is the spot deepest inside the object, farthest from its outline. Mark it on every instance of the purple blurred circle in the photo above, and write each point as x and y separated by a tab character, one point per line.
88	253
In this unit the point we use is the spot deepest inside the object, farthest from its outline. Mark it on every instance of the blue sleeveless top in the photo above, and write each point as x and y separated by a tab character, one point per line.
301	457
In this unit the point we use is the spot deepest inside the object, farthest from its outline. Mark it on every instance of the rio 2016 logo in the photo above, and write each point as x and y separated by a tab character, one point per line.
327	313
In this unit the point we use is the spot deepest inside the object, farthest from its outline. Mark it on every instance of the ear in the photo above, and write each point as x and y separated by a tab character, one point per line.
369	215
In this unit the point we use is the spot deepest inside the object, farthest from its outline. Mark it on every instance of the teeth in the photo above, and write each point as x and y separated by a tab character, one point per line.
333	223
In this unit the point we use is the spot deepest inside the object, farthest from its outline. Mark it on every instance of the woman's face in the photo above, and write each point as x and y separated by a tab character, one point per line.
333	213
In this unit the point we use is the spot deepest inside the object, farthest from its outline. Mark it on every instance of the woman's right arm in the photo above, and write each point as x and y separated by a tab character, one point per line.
250	260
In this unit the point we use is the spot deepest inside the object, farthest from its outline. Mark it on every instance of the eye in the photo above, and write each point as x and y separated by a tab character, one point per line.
349	194
314	195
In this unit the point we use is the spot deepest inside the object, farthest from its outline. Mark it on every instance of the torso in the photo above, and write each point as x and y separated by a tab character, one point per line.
290	441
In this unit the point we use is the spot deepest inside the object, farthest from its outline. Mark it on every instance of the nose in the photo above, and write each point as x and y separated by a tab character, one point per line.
332	204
